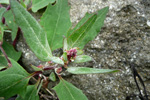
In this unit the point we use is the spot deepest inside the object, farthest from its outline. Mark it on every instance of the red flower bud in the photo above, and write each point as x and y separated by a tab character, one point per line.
40	66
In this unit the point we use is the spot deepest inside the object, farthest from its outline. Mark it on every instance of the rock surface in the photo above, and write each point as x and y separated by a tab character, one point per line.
124	39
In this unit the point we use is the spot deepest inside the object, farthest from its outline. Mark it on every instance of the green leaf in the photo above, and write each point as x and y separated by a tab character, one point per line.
79	52
31	93
94	30
9	18
4	1
1	34
2	10
86	70
10	51
52	76
13	80
56	23
36	68
27	2
65	58
80	23
38	4
32	32
78	35
66	91
22	3
3	62
2	67
82	58
57	60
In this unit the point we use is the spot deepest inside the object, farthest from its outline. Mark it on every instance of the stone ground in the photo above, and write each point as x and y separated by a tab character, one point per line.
124	39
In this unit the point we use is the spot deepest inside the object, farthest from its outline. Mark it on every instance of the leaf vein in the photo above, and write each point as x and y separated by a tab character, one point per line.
34	32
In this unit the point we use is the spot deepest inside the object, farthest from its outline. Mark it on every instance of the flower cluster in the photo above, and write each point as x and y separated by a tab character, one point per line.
71	54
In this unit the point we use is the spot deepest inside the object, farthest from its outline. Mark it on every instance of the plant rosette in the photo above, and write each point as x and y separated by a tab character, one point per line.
43	38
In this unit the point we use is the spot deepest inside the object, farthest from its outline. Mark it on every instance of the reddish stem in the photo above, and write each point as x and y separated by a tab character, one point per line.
59	76
49	67
36	73
8	7
17	37
3	20
3	51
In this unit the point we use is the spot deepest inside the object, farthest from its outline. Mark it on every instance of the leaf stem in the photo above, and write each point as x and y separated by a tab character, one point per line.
36	73
43	96
49	92
3	51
